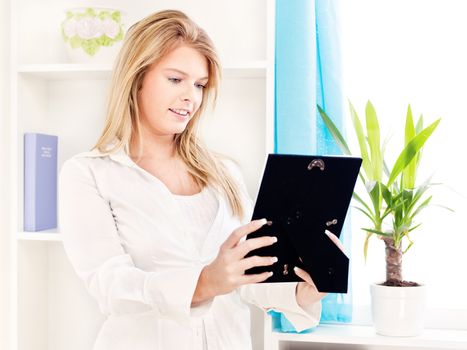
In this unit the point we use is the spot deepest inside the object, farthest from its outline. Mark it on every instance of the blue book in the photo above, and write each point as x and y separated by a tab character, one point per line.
40	182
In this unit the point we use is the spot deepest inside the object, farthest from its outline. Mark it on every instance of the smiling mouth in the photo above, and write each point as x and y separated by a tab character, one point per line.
180	112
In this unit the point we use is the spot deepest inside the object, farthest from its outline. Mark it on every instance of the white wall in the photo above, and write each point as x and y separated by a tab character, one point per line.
395	53
4	236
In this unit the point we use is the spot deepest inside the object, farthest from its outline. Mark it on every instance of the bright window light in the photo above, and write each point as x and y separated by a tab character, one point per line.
415	51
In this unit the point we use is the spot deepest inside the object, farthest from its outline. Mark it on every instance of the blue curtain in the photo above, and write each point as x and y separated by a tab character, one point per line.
308	72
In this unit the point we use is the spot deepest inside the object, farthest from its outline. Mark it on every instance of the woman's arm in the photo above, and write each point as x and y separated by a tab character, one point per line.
94	249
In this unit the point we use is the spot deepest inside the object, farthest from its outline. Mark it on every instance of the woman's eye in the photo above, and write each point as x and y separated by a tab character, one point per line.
200	86
175	80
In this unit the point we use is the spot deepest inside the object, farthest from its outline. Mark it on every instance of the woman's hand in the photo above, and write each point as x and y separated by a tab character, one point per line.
306	292
227	271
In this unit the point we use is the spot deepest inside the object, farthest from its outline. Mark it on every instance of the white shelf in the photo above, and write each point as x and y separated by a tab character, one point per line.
365	335
68	71
47	236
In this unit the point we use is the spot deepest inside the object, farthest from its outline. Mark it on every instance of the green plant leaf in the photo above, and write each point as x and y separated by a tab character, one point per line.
408	247
411	150
380	233
423	205
444	207
417	195
414	227
335	133
418	129
386	212
376	198
367	214
409	172
365	245
419	126
362	202
387	195
369	185
386	169
362	142
373	133
409	126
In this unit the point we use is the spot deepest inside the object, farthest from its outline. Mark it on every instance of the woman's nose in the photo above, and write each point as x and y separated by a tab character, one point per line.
189	94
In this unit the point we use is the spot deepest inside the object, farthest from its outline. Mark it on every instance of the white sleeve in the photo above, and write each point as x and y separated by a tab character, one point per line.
281	297
94	249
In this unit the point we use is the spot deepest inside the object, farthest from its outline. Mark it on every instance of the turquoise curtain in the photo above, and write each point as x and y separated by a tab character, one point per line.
308	72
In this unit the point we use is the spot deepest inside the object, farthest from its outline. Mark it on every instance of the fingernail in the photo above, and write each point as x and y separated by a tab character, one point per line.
263	222
295	268
327	232
270	273
274	259
273	239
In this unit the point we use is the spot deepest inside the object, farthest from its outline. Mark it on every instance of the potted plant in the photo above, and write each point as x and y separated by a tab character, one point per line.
391	201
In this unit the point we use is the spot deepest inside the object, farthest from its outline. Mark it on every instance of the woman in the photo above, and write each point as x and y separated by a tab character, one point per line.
153	222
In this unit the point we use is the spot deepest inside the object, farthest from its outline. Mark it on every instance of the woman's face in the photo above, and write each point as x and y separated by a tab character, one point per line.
172	91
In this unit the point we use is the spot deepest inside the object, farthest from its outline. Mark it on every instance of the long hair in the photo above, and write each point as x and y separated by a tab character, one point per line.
147	42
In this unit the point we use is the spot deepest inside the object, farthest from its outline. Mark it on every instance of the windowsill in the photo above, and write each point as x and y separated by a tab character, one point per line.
366	335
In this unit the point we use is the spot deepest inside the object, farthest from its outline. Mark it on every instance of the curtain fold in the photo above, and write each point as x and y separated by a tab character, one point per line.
295	67
336	307
308	72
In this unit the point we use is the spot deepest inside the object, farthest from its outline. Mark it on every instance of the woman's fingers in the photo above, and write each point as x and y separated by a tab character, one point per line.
258	278
335	240
254	261
248	245
241	232
303	275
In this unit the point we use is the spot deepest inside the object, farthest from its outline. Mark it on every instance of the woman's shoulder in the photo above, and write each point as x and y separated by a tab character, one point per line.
85	157
83	162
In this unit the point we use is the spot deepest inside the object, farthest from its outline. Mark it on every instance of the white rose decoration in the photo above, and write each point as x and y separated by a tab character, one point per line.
95	32
110	27
89	28
69	28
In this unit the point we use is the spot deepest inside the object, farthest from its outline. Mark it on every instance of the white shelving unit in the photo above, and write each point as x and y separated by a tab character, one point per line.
364	337
69	71
50	309
47	236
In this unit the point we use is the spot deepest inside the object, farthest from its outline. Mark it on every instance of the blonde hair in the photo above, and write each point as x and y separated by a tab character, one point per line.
147	42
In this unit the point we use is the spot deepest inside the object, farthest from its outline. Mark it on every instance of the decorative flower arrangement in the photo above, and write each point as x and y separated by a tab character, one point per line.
90	29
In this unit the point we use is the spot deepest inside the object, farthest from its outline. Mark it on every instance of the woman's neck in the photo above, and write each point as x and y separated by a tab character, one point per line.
158	149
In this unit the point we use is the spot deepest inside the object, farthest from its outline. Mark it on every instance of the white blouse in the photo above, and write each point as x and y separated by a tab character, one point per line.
125	237
198	211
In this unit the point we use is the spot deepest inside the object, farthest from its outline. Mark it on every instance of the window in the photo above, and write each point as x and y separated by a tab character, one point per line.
396	53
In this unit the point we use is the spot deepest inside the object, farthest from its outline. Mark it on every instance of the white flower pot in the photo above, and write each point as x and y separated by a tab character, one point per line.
398	311
92	34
